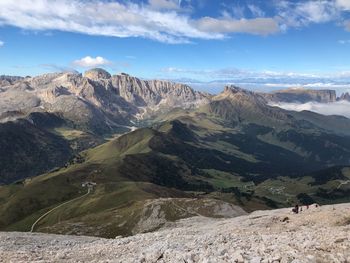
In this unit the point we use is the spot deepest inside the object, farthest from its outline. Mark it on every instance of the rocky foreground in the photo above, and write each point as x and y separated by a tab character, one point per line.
317	234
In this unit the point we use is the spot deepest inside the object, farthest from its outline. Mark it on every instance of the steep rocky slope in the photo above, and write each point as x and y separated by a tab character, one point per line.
315	235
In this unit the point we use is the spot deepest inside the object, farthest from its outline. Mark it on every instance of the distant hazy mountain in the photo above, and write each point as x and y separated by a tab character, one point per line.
301	95
345	96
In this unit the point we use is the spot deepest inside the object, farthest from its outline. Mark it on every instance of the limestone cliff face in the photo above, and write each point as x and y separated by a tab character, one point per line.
96	98
302	95
157	92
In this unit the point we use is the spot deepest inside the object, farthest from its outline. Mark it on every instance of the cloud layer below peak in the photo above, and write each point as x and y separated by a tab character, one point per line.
340	108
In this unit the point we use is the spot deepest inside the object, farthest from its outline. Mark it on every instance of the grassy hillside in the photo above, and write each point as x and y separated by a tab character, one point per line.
38	143
188	158
28	150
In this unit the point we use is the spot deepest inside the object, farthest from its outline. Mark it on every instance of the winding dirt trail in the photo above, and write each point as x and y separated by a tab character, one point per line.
343	183
53	209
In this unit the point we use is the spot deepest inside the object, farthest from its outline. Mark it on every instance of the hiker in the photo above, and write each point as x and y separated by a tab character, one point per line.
296	209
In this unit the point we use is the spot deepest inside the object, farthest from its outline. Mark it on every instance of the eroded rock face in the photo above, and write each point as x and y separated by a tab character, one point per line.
157	92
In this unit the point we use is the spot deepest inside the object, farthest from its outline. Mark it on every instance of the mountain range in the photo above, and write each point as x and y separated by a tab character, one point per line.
302	95
157	151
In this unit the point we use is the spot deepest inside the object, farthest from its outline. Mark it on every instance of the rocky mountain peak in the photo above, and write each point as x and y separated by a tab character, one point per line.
124	74
157	93
241	105
235	92
97	73
232	89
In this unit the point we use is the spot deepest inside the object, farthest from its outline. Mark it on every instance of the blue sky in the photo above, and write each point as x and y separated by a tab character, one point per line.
261	45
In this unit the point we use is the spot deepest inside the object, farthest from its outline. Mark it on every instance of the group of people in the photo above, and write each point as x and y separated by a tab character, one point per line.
298	209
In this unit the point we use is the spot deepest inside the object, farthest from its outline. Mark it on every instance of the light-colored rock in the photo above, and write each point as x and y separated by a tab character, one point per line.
97	73
241	239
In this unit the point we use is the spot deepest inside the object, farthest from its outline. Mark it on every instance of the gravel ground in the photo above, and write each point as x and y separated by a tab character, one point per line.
316	235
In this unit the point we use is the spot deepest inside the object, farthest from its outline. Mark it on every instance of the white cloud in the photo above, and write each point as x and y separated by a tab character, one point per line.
303	13
157	20
238	11
232	73
290	13
298	14
208	73
2	43
164	20
343	4
345	87
100	18
256	11
317	11
90	62
341	108
257	26
164	4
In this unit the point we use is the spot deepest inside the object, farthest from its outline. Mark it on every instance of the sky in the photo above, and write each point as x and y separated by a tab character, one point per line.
257	44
